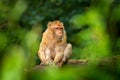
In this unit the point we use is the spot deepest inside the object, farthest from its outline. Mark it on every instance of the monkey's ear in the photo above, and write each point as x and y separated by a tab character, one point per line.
49	24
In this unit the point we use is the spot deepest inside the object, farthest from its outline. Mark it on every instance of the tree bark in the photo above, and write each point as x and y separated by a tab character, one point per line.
109	63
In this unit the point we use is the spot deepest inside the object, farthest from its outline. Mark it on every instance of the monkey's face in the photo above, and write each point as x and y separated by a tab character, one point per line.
58	30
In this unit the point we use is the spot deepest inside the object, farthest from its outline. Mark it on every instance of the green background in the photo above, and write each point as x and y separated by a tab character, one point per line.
92	28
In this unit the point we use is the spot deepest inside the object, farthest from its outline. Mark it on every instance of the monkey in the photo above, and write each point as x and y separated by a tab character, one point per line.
54	48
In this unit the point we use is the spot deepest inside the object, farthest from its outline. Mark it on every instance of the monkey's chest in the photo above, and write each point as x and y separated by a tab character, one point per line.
57	50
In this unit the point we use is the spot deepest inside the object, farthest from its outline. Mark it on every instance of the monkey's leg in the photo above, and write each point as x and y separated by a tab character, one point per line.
58	57
48	56
67	54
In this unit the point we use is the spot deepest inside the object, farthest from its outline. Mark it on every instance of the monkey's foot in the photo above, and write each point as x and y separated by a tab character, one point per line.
51	63
43	64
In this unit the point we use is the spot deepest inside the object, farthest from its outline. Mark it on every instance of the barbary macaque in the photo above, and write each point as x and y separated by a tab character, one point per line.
54	48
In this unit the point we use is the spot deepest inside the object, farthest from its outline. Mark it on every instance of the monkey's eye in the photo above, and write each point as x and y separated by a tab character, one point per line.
56	28
61	28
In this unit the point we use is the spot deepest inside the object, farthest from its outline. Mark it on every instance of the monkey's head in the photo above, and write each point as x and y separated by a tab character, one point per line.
57	28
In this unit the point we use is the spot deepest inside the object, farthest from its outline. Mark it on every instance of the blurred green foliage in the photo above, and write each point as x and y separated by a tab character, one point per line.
92	27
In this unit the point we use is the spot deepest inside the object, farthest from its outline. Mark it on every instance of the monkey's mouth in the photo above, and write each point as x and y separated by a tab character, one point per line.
59	38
